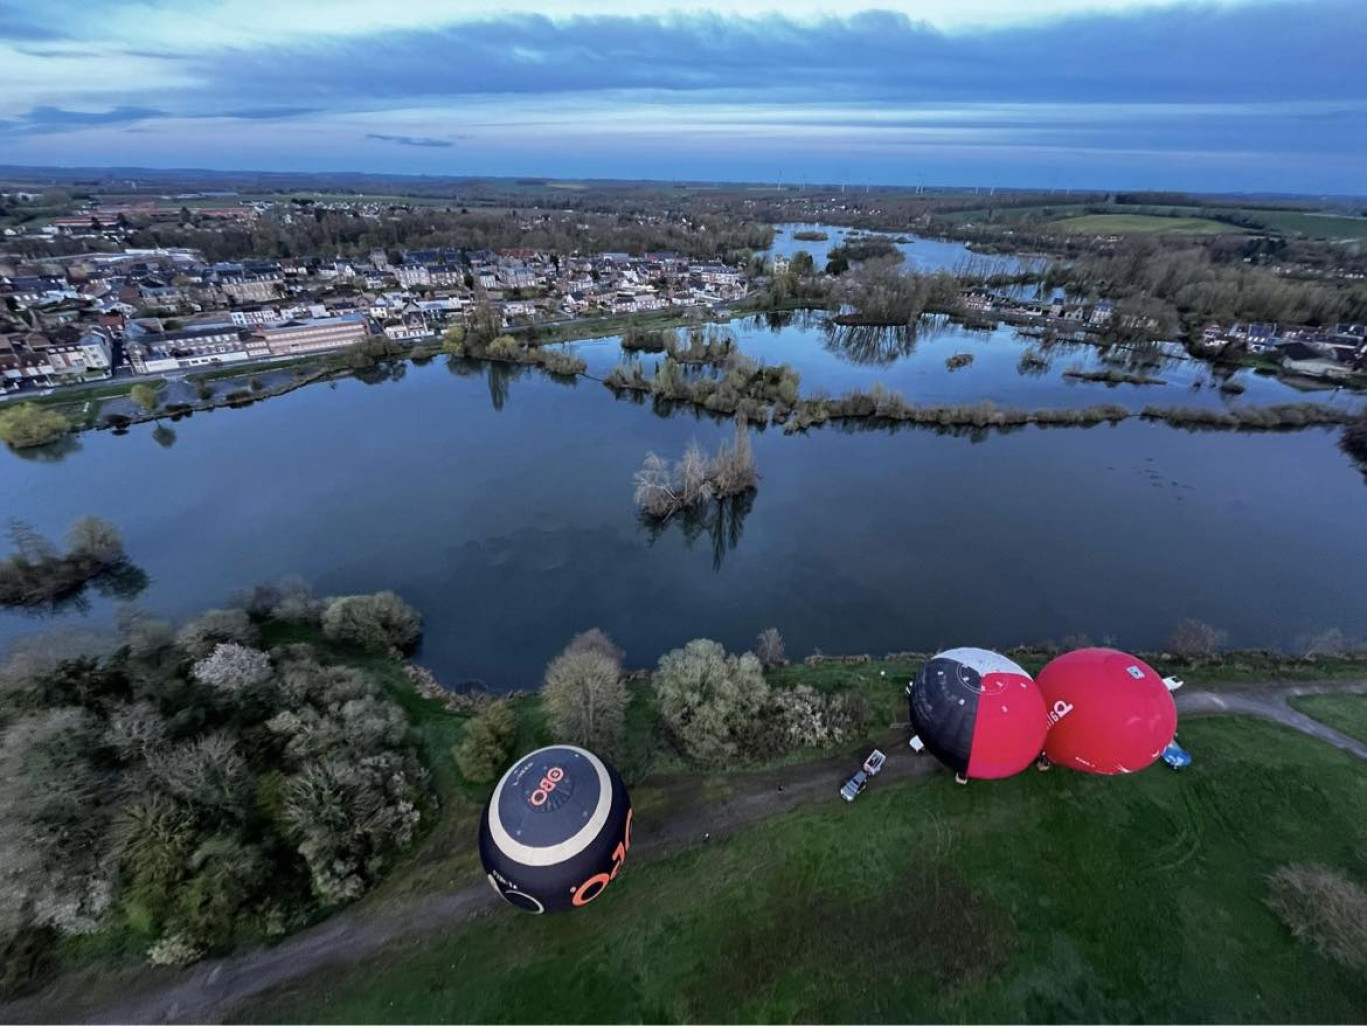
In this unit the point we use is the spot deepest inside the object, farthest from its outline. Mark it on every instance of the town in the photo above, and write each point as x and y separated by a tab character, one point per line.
88	317
91	316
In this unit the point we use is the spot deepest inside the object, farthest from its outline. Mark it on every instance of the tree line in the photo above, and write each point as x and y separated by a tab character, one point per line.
185	790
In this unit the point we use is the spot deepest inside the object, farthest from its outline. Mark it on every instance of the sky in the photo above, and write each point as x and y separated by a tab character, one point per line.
1223	95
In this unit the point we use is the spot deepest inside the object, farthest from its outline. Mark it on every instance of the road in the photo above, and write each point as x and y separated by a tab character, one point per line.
209	991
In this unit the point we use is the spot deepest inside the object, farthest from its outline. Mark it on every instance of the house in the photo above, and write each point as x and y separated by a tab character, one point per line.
314	335
1101	314
1312	361
158	352
408	329
410	275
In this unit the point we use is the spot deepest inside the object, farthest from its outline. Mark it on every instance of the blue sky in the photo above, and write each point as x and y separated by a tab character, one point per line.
1234	95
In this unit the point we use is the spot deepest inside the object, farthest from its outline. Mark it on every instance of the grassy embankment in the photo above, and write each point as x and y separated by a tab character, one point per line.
81	406
1049	897
1345	713
1141	224
651	765
605	327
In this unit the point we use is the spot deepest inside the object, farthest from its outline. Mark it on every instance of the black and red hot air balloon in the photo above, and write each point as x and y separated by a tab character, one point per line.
556	831
1109	712
978	712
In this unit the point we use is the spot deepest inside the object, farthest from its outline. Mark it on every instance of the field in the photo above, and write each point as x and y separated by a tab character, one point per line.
1141	224
1050	897
1347	713
1312	225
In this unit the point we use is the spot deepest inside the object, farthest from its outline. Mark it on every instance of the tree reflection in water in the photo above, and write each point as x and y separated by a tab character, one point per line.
52	452
722	521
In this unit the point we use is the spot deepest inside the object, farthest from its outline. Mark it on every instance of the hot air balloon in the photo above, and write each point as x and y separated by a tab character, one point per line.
978	713
556	831
1108	711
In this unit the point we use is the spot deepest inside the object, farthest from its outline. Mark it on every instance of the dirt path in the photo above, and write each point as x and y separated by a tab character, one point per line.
209	991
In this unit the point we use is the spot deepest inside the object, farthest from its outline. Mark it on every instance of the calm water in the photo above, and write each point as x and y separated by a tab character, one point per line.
835	359
500	505
921	254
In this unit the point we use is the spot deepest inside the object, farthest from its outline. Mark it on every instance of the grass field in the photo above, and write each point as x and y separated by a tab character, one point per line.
1049	897
1312	225
1141	224
1347	713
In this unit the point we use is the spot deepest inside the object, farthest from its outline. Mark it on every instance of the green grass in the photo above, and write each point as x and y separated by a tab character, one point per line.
1141	224
1312	225
1345	713
1049	897
602	327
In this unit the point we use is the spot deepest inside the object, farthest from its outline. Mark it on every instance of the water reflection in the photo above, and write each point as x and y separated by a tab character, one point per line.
379	373
499	376
868	344
721	521
122	581
52	452
163	436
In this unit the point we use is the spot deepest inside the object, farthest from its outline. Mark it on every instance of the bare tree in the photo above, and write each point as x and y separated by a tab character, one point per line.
1196	640
769	648
201	635
585	694
232	668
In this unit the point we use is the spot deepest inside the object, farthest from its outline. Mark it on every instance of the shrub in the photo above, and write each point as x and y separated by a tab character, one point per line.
376	622
585	695
175	949
1354	440
1195	640
769	648
205	632
125	789
145	396
663	490
708	698
1323	908
563	361
488	742
1331	642
805	718
28	424
453	341
232	668
505	347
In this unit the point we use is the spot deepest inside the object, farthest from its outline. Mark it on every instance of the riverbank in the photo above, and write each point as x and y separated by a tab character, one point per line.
1050	897
1295	790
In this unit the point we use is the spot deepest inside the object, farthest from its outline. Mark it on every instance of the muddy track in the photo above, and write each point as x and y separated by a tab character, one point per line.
209	991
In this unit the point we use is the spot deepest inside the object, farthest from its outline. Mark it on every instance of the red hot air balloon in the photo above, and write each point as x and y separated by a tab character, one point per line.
978	713
1108	711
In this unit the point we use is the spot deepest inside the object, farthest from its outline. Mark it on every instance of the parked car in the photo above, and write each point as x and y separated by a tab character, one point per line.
1176	756
873	765
854	787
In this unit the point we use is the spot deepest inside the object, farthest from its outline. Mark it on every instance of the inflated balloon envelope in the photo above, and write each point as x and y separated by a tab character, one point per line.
1109	712
978	712
556	830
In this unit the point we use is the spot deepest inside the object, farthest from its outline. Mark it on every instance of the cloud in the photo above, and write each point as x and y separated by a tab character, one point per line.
1258	51
42	120
1258	90
411	140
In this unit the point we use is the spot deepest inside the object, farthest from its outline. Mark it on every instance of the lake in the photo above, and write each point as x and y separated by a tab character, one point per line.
835	358
498	501
919	253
